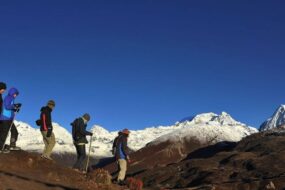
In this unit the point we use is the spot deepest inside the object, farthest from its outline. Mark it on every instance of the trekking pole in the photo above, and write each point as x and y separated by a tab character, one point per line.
88	158
10	127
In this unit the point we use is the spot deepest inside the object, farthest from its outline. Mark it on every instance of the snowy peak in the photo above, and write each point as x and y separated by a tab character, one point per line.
213	119
208	126
276	121
99	131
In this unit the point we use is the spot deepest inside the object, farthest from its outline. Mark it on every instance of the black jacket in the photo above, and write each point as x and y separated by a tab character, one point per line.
121	144
46	121
1	104
79	132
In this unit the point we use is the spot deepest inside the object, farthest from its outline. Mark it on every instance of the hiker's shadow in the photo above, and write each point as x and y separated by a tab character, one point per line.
57	186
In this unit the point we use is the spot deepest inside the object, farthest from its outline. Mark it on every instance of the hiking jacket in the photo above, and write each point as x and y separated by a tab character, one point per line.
122	147
46	120
79	132
1	104
8	108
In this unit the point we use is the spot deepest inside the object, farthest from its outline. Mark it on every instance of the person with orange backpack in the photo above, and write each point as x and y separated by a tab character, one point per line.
122	155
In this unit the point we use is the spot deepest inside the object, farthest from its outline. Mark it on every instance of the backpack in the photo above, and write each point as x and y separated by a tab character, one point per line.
39	122
74	125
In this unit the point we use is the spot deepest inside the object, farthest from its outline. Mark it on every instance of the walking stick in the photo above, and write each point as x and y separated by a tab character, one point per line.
15	113
88	158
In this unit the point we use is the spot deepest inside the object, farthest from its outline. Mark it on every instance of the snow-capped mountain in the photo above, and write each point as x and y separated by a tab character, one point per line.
202	126
209	128
30	139
187	137
276	121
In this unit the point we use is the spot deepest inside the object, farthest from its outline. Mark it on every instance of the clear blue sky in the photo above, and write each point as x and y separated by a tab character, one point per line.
137	64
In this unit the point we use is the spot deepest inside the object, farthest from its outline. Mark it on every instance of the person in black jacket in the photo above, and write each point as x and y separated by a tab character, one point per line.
79	134
47	129
3	88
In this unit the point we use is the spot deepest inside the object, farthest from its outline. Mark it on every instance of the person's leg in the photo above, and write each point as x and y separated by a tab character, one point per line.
82	157
45	142
5	125
14	136
2	135
77	164
123	170
51	144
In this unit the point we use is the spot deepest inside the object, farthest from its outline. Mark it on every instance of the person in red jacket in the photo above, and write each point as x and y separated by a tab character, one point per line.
47	129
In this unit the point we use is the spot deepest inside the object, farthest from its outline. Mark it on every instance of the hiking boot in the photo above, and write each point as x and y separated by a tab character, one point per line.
75	169
15	148
121	183
5	151
46	157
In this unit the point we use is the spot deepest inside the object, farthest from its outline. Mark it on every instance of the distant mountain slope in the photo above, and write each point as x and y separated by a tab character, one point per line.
276	121
203	130
30	139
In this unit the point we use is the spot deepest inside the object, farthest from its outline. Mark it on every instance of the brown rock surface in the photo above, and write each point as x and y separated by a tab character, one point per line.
27	171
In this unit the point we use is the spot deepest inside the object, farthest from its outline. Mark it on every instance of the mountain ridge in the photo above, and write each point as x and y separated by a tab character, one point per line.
30	138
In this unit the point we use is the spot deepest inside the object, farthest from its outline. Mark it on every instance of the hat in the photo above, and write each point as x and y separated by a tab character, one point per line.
87	117
51	103
3	86
126	131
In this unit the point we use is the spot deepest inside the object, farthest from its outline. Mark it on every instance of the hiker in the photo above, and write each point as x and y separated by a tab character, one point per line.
3	88
79	134
122	155
47	129
9	108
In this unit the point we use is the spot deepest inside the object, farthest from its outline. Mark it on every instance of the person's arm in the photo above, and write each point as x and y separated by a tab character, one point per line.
82	130
48	124
8	103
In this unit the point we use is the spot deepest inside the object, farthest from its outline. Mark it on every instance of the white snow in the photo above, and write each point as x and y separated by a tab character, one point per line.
208	128
203	127
30	139
276	121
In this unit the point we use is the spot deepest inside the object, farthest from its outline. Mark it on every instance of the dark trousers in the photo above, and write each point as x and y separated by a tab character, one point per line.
81	156
14	135
4	130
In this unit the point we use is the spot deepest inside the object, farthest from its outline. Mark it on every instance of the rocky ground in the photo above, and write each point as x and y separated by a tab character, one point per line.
255	163
27	171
